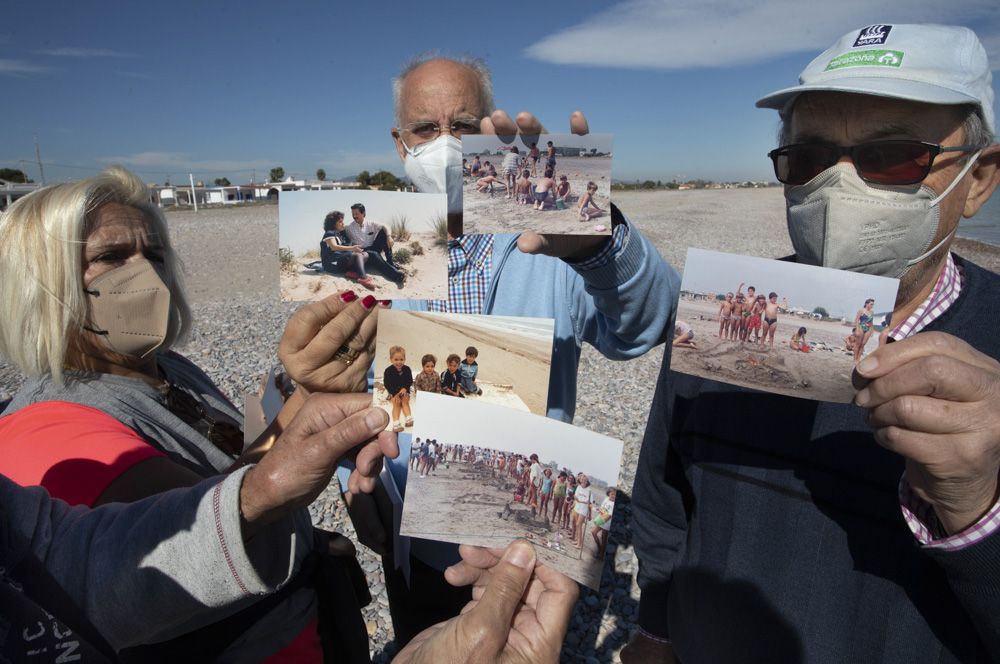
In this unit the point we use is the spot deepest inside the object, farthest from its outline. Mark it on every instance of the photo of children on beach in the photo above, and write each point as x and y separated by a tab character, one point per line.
389	243
502	360
481	474
778	326
553	183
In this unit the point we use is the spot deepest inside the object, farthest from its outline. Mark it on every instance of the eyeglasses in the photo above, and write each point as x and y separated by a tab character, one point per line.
428	130
892	162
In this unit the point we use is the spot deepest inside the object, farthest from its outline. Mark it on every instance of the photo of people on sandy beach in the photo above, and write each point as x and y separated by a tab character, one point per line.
502	360
551	183
778	326
390	243
481	474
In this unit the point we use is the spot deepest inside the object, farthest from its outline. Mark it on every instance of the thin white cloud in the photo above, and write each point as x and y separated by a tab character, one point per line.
180	162
690	34
17	67
76	52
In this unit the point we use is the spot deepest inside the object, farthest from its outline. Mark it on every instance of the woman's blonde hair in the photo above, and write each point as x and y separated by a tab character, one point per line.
43	235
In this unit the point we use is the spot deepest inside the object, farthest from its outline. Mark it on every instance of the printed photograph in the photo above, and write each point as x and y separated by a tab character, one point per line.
481	474
556	184
778	326
392	244
502	360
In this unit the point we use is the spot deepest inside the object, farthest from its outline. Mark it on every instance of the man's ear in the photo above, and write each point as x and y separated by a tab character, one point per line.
399	143
985	178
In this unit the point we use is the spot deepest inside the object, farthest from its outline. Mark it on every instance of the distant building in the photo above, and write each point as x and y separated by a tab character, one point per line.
169	195
11	191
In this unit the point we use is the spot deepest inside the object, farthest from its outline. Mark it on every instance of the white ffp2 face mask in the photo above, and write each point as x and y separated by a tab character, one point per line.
435	167
838	220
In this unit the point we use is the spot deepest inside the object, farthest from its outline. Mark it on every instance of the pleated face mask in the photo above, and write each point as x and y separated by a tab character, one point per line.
130	309
838	220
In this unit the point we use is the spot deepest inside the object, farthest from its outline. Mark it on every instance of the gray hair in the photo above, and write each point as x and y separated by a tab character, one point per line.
974	128
476	65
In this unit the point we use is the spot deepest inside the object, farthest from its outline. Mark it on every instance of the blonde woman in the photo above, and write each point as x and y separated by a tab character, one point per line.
92	302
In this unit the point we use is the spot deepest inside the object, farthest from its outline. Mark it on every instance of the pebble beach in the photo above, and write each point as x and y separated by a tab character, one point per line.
231	281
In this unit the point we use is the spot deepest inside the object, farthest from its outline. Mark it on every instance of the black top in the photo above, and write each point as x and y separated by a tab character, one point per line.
328	255
450	381
395	381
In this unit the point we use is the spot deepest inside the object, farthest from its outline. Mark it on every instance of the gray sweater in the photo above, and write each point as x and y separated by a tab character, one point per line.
146	571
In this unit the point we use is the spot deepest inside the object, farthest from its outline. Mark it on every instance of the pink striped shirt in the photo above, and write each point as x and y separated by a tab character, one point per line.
918	513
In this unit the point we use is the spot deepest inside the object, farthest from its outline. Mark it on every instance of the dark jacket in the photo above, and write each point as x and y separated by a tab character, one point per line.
785	543
394	380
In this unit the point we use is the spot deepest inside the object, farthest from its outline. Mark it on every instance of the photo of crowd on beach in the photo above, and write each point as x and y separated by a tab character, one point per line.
389	243
778	326
481	475
502	360
551	183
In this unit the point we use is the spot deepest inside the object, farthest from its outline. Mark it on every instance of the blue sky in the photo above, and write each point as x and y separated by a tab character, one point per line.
221	90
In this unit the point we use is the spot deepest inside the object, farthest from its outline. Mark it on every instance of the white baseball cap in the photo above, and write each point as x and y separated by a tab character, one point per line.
936	64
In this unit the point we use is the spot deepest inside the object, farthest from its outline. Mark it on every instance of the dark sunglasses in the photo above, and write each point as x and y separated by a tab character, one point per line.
893	162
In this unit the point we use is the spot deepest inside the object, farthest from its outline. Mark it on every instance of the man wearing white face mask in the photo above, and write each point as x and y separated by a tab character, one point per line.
614	294
862	532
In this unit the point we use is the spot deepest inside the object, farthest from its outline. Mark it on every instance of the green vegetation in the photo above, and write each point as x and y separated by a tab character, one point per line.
286	259
320	174
380	180
441	231
398	229
13	175
277	174
821	311
222	182
402	256
417	248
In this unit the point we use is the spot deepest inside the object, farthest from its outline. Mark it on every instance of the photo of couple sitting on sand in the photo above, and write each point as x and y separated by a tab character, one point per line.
798	330
496	359
520	476
390	243
553	183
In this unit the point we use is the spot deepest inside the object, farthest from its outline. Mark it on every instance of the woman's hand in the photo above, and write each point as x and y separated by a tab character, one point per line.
316	332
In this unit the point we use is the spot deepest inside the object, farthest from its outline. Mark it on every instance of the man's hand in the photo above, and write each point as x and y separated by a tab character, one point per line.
936	401
519	611
299	466
315	333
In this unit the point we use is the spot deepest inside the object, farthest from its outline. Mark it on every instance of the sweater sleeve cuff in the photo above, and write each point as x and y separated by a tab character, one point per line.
271	557
928	531
616	263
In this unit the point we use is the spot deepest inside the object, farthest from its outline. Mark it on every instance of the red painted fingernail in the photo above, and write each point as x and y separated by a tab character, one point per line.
385	303
369	301
348	296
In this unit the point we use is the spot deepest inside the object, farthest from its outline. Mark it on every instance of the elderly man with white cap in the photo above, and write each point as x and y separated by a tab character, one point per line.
868	531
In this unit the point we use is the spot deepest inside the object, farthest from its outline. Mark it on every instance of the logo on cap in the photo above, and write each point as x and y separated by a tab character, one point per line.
872	35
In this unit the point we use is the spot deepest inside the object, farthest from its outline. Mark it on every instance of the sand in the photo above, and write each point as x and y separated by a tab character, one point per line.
426	277
495	213
466	505
513	369
823	374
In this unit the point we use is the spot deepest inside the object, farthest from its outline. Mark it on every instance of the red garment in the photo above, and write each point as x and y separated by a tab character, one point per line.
73	451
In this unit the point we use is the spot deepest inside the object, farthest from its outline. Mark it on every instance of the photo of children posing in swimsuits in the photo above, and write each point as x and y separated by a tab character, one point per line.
728	334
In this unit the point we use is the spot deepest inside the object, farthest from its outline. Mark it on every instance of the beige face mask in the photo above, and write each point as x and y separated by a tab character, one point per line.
130	309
